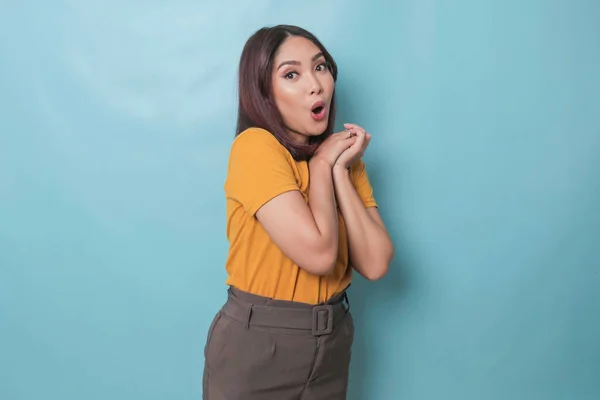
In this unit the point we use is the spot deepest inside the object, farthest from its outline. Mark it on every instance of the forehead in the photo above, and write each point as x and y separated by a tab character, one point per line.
296	48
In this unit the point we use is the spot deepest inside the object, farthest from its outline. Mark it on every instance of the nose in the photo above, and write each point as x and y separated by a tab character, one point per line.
315	85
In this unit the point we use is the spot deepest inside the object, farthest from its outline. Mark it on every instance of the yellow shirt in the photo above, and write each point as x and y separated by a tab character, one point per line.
260	168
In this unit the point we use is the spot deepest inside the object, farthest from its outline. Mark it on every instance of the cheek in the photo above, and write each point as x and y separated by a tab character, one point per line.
288	94
328	84
287	98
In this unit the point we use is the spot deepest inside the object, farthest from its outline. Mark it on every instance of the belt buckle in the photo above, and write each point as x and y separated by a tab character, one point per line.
318	312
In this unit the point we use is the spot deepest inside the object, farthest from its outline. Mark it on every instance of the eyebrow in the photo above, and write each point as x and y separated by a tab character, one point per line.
291	62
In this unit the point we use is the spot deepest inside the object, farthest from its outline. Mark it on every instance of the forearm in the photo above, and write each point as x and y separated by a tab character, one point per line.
322	203
370	246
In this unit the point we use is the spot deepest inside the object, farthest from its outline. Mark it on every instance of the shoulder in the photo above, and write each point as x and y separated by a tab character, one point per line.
258	150
257	140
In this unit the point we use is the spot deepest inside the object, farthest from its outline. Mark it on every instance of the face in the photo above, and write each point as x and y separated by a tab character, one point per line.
302	87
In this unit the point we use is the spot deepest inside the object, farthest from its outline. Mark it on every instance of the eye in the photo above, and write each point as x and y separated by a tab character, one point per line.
322	67
290	75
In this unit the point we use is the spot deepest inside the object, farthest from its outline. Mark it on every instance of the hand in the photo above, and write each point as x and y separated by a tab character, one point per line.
333	146
357	150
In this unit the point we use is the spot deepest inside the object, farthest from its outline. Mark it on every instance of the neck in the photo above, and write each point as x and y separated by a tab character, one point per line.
298	138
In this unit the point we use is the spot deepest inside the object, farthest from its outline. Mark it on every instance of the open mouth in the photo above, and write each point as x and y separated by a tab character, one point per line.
318	111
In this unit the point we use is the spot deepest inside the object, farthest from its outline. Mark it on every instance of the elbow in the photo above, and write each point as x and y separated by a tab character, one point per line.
316	257
323	256
376	274
380	266
324	264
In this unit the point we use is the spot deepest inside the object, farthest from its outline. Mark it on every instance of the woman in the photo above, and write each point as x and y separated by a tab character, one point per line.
285	331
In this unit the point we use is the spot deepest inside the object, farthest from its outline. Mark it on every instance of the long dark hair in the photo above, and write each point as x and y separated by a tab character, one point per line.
257	107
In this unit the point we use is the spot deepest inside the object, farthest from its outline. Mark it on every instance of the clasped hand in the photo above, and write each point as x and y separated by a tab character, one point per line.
344	148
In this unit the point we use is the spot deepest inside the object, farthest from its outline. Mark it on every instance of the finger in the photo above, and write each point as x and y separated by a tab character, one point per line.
343	134
350	125
360	140
355	127
362	136
359	131
350	134
366	144
354	132
349	142
347	136
337	138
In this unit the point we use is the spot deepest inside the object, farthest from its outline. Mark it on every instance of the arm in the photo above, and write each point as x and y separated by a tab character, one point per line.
261	178
306	234
371	249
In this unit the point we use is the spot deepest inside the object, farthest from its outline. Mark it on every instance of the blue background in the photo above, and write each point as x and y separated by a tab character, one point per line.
115	125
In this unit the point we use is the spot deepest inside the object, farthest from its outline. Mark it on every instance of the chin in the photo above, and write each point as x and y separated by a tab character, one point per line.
315	133
317	130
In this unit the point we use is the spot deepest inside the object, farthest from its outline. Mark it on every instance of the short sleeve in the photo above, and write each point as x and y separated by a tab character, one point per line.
259	170
360	179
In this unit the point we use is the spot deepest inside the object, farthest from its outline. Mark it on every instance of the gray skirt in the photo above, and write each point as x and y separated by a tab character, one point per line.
259	348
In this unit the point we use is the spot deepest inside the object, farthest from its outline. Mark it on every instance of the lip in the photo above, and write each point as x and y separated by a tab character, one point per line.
319	103
321	115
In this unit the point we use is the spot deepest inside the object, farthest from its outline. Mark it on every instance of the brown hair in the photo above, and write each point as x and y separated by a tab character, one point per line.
257	107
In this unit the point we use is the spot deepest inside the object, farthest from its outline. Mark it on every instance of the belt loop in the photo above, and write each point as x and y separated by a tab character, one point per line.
347	301
249	316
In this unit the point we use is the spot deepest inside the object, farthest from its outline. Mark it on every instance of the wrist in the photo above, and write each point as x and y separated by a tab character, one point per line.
340	170
319	162
320	167
341	166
